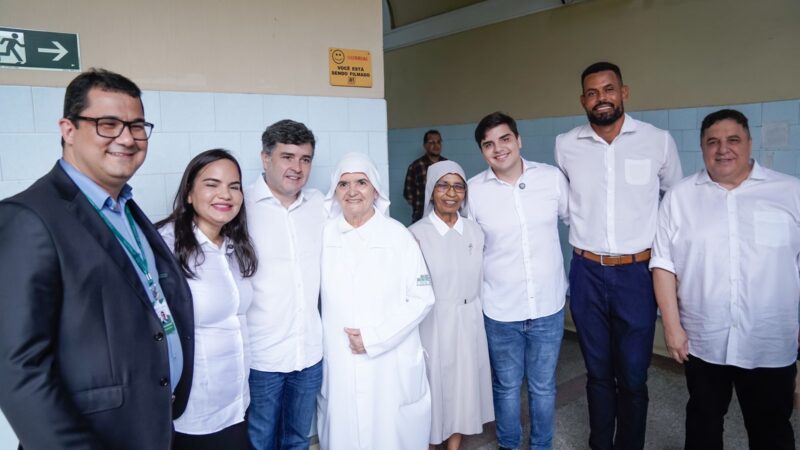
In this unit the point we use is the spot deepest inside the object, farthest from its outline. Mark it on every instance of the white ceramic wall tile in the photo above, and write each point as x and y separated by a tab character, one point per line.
9	188
689	140
563	124
250	176
249	154
406	135
658	119
187	111
785	161
151	100
322	149
794	137
366	114
48	107
320	178
327	114
279	107
148	191
171	183
786	111
755	135
166	152
346	142
683	119
238	112
28	156
465	131
16	109
378	148
536	127
753	112
200	142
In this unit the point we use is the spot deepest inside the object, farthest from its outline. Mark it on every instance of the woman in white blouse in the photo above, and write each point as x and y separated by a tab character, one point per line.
208	234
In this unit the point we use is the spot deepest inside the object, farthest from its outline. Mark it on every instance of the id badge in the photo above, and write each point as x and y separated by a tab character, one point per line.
162	311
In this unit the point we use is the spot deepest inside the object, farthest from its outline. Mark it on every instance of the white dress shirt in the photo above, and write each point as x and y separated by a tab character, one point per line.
735	254
614	188
219	395
284	322
523	268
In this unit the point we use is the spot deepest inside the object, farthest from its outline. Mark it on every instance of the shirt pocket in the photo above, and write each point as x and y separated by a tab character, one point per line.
771	228
637	171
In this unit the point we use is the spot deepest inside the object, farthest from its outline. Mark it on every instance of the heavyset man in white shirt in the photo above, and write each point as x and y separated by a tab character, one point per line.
725	269
518	203
616	166
285	222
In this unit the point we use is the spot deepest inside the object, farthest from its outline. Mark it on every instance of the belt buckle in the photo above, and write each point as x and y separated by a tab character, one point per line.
602	261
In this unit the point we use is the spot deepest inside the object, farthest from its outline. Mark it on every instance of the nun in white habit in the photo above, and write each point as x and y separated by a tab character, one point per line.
453	334
375	292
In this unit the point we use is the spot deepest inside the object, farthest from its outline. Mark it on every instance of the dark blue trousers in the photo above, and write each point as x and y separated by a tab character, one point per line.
614	310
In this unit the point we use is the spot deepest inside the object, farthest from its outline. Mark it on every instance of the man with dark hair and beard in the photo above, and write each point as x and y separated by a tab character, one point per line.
616	166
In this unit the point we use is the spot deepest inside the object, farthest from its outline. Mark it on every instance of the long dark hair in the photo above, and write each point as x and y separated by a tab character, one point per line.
186	246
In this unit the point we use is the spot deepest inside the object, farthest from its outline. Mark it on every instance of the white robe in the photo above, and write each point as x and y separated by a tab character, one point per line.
373	279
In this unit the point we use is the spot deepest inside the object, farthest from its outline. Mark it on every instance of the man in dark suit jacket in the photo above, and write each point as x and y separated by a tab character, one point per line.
96	321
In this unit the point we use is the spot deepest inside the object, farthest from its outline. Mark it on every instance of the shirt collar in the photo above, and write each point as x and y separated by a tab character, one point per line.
263	192
526	166
97	195
442	227
205	242
756	173
629	125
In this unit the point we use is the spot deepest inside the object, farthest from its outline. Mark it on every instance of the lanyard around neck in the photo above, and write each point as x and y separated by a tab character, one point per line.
138	257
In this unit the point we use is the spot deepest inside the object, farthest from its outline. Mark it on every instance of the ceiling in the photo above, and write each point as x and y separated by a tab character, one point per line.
404	12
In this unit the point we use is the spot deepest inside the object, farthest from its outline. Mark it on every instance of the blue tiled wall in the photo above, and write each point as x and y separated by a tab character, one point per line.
538	141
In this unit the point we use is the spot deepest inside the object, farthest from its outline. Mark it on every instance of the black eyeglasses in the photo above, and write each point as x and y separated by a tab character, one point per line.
111	127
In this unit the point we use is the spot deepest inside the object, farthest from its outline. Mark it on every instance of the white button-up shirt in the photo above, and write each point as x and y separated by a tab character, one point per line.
735	254
221	297
523	268
284	322
614	188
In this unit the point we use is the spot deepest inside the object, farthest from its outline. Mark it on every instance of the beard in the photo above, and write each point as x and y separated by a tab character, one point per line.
604	119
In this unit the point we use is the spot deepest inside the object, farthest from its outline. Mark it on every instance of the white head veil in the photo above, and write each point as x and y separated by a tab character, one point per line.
437	171
356	163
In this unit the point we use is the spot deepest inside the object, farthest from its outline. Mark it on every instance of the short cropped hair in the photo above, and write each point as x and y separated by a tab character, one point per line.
286	132
494	119
724	114
428	133
601	66
76	98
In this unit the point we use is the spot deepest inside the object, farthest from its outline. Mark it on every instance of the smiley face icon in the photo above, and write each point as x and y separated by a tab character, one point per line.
337	56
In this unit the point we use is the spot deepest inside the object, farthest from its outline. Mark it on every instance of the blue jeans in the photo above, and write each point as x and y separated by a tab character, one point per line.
614	310
526	348
282	406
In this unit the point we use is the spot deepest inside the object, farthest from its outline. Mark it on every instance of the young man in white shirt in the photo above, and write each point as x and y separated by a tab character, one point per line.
725	270
518	203
616	167
285	222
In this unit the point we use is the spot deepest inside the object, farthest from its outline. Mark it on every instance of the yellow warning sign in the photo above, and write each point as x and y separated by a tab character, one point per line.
352	68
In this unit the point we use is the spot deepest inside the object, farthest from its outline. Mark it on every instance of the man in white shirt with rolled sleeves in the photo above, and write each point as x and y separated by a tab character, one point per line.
616	167
285	222
517	204
725	270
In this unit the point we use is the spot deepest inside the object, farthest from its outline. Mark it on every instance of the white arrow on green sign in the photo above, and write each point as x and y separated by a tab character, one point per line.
30	49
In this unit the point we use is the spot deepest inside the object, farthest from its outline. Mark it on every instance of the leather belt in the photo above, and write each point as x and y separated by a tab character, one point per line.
616	260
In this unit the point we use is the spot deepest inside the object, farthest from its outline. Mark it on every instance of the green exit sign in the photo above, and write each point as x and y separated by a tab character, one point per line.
29	49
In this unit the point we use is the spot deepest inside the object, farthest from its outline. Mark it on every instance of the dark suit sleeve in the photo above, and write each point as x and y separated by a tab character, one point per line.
32	396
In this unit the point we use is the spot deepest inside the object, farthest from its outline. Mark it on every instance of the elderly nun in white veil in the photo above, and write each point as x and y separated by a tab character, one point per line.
375	292
453	334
